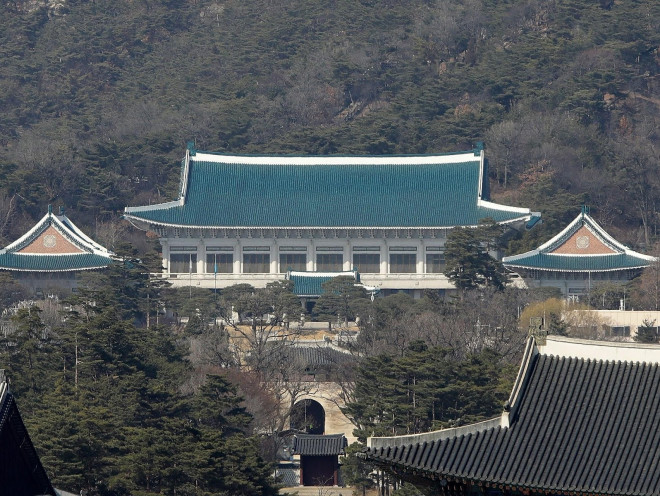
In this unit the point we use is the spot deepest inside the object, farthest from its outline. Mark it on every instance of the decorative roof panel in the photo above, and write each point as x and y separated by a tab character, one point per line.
48	242
583	242
350	192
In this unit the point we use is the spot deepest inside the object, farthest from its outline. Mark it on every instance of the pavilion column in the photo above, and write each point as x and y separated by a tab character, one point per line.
166	255
275	258
346	254
311	258
201	256
236	268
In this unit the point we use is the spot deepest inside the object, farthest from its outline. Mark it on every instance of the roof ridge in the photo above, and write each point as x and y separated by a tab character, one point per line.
194	152
65	227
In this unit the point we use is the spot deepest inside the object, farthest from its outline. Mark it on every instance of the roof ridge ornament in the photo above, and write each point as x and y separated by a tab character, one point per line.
191	148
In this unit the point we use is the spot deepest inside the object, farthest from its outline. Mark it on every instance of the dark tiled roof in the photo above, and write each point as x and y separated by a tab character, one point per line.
21	472
582	426
318	356
319	445
329	192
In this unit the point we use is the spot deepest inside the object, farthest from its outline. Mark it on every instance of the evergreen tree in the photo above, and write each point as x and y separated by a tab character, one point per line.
468	264
355	471
555	325
425	389
28	353
341	300
647	332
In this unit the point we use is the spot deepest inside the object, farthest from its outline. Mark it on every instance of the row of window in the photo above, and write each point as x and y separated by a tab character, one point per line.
259	263
617	275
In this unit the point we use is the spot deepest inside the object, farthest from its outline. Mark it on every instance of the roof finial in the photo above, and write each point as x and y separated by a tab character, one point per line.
50	209
191	148
61	210
478	148
585	210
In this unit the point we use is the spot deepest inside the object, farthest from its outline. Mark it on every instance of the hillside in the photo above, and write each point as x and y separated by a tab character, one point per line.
98	98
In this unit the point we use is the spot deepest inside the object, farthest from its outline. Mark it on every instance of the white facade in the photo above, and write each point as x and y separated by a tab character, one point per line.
409	259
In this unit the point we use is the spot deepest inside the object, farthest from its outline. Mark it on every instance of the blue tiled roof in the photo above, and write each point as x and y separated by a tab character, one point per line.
591	263
308	285
53	263
347	194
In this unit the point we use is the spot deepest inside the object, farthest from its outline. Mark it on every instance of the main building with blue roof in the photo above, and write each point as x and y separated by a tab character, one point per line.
253	218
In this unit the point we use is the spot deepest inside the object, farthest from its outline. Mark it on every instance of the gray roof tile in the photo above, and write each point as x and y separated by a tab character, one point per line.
319	445
583	425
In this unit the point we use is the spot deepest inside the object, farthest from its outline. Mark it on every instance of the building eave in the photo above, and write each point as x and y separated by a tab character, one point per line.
145	222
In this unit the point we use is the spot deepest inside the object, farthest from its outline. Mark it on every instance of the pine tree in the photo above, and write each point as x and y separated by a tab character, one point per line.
468	264
647	332
341	300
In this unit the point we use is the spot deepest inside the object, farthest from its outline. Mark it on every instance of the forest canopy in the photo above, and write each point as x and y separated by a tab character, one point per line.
97	99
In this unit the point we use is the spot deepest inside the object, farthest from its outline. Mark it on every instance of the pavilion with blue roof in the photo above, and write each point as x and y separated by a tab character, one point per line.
50	254
252	218
577	259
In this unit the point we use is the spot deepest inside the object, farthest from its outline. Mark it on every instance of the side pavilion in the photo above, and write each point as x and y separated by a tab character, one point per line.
51	254
250	219
578	258
583	418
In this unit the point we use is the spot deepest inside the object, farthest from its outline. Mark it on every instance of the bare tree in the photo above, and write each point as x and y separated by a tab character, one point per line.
262	338
646	288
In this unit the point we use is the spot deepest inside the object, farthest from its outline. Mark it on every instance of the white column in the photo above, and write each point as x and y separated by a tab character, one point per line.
166	255
238	256
201	256
311	256
274	258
